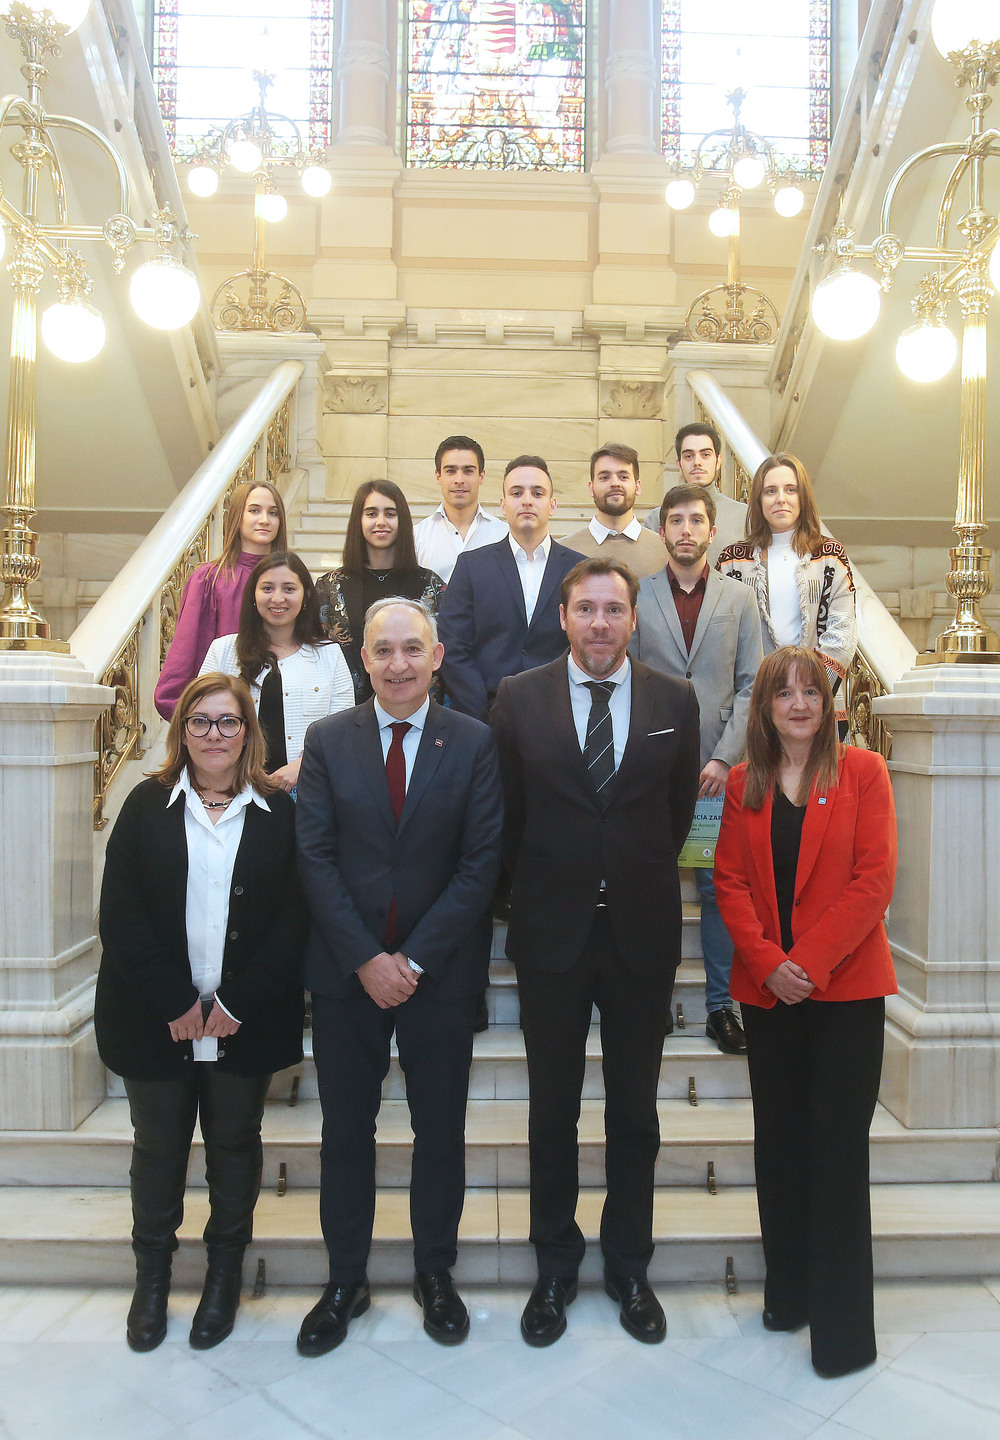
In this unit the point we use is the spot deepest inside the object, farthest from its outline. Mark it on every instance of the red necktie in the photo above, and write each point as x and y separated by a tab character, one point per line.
395	773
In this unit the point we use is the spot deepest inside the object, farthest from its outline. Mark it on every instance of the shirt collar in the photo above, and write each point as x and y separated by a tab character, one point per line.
601	532
700	584
521	555
247	795
441	514
580	677
417	720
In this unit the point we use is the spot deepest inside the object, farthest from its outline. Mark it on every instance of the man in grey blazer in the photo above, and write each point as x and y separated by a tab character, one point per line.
398	827
697	624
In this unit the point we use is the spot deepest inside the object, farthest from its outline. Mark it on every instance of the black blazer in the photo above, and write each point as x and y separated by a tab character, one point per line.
145	977
440	865
483	623
560	842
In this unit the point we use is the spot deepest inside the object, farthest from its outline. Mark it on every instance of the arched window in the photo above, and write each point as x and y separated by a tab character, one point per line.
778	52
205	53
495	84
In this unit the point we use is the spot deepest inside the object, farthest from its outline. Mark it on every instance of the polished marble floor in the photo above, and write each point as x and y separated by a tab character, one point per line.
66	1371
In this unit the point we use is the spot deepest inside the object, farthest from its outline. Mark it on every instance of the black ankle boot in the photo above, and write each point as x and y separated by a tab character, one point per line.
216	1312
147	1316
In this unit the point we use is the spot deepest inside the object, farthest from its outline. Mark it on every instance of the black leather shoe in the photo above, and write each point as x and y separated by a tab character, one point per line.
216	1313
773	1321
446	1319
481	1021
544	1317
147	1316
641	1313
670	1023
325	1326
723	1027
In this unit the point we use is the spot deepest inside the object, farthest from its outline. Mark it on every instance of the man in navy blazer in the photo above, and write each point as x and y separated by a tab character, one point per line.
500	612
399	820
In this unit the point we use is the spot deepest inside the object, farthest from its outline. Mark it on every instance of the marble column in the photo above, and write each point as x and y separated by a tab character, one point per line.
631	81
364	69
50	1074
942	1059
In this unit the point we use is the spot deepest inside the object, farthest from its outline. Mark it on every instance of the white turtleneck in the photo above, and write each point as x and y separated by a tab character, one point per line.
782	590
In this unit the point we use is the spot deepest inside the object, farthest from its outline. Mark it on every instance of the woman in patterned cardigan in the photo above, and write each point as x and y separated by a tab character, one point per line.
801	577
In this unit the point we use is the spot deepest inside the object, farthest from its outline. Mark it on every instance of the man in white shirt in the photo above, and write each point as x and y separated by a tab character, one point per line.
614	531
459	523
500	612
698	447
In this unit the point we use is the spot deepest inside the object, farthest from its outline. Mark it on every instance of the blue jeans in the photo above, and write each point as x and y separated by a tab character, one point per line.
716	945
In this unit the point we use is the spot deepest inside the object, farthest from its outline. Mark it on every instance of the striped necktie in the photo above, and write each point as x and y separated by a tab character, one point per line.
599	750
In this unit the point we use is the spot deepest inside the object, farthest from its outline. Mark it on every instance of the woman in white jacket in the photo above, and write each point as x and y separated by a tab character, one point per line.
295	674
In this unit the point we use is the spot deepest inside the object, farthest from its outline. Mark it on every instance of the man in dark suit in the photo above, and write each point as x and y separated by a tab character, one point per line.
500	612
399	819
599	757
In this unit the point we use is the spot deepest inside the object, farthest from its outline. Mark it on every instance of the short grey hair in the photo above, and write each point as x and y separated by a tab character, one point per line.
391	600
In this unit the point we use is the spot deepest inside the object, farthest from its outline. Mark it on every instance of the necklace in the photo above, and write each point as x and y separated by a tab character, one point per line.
213	804
380	576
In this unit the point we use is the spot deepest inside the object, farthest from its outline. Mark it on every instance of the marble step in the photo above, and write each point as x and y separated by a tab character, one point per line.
716	1132
81	1236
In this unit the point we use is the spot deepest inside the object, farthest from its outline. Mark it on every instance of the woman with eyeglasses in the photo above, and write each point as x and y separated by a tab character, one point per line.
210	605
380	560
199	994
296	675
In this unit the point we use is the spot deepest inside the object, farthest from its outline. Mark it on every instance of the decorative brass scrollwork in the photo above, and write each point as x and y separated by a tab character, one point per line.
278	442
170	597
866	729
118	731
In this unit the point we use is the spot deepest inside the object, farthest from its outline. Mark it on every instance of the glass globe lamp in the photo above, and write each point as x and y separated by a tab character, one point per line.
271	207
724	222
957	24
316	181
846	305
70	14
73	330
164	293
203	181
789	200
926	351
748	172
245	156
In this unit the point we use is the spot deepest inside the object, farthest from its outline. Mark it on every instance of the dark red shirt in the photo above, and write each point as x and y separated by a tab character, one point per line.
688	604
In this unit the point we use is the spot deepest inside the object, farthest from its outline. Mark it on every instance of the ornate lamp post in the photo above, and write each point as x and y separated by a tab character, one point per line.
966	255
163	292
743	160
261	143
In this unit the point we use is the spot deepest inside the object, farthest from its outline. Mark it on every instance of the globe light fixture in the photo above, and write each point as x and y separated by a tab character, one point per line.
270	206
679	194
957	24
846	304
164	293
244	156
926	351
316	181
69	14
749	172
203	181
73	330
789	200
724	222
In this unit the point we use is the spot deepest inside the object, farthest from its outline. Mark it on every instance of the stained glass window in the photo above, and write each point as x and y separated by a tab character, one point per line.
781	59
496	84
205	53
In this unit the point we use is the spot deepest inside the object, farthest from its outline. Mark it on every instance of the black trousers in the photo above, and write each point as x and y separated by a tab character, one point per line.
814	1077
555	1018
164	1112
351	1048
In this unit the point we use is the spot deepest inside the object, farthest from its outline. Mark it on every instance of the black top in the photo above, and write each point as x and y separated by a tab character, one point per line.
786	835
271	714
344	598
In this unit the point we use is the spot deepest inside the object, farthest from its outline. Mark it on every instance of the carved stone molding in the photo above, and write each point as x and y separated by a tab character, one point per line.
355	394
635	66
632	399
364	55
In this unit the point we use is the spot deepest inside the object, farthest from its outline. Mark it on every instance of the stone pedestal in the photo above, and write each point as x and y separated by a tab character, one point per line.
50	1074
942	1061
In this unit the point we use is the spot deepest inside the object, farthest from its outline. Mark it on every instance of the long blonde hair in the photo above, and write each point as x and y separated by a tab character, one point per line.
250	766
232	539
764	748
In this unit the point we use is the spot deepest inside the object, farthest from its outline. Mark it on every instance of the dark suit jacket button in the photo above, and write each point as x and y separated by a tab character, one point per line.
238	890
234	934
687	675
228	975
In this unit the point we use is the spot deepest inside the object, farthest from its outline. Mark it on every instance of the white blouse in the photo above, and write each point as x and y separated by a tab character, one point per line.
315	681
784	605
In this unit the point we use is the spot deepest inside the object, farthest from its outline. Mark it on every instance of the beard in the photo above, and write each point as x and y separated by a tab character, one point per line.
614	505
688	558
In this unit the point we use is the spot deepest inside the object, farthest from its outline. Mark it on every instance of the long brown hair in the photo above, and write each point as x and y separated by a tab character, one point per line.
253	651
808	536
250	766
764	749
232	540
356	550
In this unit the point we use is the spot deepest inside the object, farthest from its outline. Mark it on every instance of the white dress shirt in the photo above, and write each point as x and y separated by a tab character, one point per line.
601	532
783	603
211	855
439	543
531	571
411	744
620	703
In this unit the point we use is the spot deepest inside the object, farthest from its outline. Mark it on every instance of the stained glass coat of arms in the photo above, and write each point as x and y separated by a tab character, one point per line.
496	84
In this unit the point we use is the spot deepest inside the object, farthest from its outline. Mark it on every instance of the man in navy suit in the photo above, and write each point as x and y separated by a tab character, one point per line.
500	612
399	819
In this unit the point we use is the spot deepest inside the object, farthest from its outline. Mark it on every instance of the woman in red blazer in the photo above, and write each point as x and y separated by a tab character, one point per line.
804	870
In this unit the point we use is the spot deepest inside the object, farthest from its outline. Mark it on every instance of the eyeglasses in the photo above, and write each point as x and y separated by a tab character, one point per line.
228	726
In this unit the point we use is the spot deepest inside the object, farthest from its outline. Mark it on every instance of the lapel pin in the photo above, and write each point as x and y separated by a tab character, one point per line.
821	800
441	742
